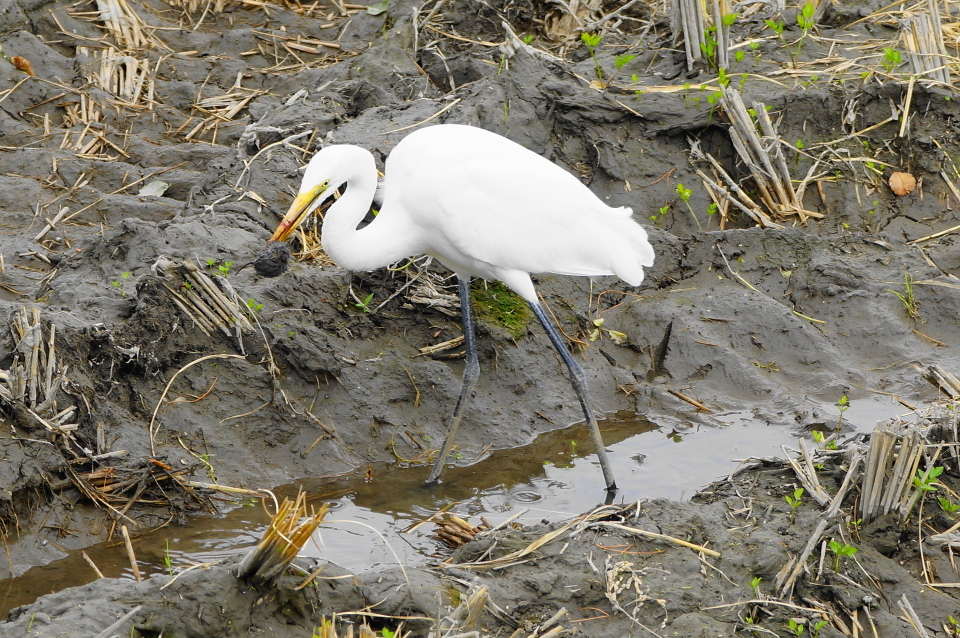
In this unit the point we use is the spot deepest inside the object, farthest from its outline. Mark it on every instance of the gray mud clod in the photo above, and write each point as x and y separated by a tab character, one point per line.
797	170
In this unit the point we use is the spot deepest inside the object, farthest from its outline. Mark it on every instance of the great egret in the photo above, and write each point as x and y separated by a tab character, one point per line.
483	206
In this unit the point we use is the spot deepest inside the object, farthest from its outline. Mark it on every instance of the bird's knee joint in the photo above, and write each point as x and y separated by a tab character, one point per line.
472	370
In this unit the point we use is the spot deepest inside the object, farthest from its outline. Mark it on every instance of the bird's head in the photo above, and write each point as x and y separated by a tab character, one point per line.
323	175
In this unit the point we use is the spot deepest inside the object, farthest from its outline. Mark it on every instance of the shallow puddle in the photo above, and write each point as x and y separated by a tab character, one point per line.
553	478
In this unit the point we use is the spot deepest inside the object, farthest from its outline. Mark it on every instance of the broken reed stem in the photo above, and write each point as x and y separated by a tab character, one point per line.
801	560
130	554
923	37
282	541
661	537
688	15
92	564
722	34
892	462
911	616
807	474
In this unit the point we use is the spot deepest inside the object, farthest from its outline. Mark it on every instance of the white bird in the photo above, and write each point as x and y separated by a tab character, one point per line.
483	206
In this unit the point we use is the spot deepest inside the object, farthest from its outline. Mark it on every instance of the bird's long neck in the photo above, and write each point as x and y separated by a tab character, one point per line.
382	242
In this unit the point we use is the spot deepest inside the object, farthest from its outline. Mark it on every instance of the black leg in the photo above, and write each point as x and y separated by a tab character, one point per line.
579	381
471	372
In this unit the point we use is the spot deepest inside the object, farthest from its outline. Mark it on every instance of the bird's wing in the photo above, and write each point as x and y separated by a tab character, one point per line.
501	204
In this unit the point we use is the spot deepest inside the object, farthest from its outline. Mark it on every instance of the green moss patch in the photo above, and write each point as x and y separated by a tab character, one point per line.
496	304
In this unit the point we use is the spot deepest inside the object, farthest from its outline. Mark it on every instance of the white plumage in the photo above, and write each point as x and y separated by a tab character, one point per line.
483	206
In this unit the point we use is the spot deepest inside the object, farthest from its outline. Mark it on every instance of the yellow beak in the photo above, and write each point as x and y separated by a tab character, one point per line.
297	213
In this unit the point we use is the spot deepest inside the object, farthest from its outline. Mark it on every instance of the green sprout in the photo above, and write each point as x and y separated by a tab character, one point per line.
365	304
843	404
891	59
776	27
527	39
723	79
796	628
908	298
755	586
948	506
119	284
684	194
806	22
794	502
926	481
709	45
619	61
254	306
592	41
805	18
818	438
839	551
661	213
223	269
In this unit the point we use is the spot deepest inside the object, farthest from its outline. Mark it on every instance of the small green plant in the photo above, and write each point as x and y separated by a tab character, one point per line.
891	59
119	284
948	506
592	41
818	627
739	55
254	306
223	269
713	99
619	61
684	194
167	560
794	502
908	298
854	526
805	18
635	79
843	404
777	28
709	45
839	551
712	209
33	617
925	481
755	586
723	78
527	39
365	304
660	214
386	633
796	628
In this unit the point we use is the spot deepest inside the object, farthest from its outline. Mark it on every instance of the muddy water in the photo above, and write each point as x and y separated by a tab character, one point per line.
553	478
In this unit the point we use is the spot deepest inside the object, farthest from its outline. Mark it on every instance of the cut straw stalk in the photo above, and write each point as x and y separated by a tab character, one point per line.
282	541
